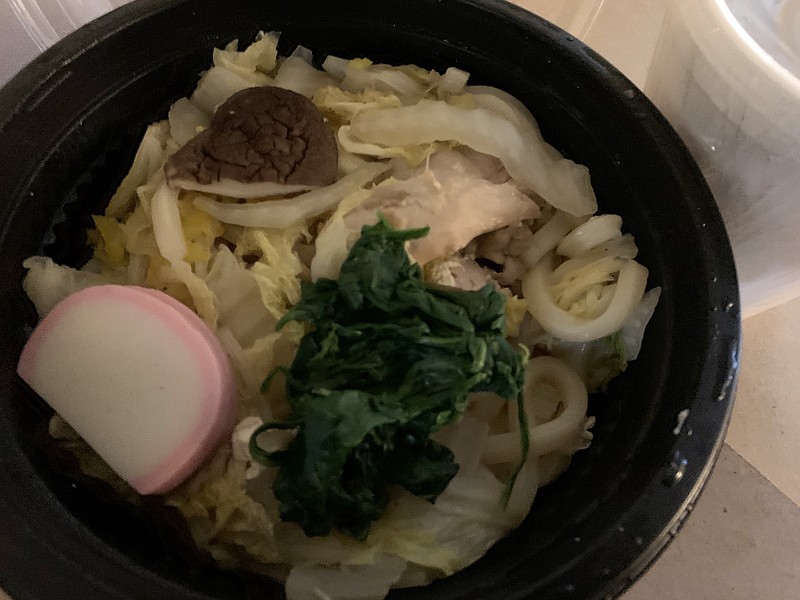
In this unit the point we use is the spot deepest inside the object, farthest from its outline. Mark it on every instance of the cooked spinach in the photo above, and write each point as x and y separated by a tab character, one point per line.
388	361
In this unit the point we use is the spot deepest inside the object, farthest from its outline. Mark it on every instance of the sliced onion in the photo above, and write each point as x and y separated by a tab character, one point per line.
561	324
282	213
596	231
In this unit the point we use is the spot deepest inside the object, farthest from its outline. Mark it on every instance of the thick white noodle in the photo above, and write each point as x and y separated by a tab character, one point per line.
548	237
524	492
560	433
597	230
558	322
566	290
622	248
485	405
551	466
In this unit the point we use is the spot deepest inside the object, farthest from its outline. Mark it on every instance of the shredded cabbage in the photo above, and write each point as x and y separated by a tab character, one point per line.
112	239
336	238
361	74
148	162
47	284
234	71
222	517
186	121
633	329
216	86
413	154
238	299
286	212
298	75
564	184
341	106
167	227
260	56
278	269
370	582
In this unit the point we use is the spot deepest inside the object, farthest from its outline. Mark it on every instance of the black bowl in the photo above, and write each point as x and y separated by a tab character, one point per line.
69	124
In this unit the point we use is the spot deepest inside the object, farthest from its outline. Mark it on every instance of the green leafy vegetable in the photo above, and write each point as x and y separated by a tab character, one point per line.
389	361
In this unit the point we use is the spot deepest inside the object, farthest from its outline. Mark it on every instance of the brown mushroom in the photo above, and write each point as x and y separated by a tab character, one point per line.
262	141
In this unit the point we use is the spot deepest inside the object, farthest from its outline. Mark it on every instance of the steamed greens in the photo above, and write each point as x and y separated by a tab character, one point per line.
389	361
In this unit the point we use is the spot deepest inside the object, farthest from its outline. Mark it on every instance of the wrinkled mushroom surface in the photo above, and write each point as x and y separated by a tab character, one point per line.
261	141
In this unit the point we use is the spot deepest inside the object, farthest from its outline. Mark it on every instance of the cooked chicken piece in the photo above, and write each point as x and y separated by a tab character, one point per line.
498	245
450	196
461	272
512	274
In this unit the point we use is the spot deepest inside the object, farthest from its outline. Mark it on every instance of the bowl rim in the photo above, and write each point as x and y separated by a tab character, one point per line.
684	485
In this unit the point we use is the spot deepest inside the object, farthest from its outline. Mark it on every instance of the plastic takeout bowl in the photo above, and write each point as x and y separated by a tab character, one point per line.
69	124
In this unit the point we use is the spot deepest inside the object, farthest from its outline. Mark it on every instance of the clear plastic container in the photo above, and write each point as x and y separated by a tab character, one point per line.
31	26
725	73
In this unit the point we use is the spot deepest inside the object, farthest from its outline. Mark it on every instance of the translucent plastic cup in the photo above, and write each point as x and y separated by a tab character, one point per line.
725	73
